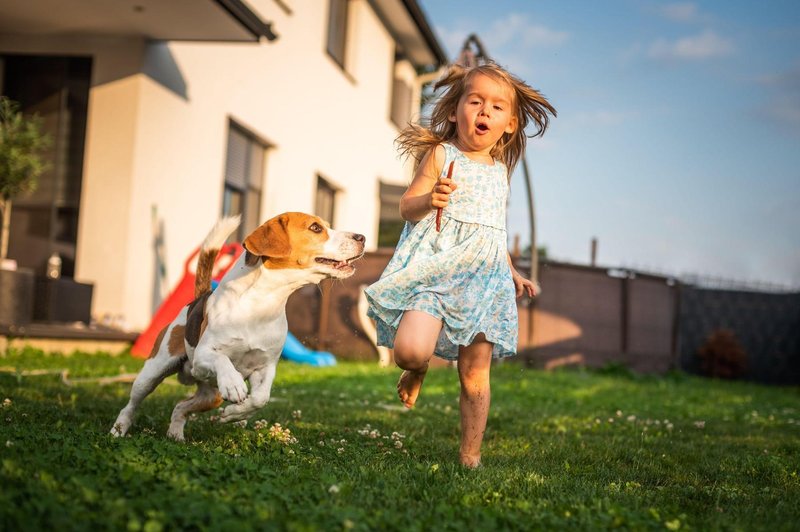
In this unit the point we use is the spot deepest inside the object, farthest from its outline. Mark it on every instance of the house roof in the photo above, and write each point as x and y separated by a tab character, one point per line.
409	26
174	20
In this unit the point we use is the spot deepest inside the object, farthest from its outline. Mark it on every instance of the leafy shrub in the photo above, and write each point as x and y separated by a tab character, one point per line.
722	355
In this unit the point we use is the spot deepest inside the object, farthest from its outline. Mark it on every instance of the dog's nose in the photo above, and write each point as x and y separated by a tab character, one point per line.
359	238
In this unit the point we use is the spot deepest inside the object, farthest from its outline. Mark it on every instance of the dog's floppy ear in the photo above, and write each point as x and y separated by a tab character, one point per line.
270	240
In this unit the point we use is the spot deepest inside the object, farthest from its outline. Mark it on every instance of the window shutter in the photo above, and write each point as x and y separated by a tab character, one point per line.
236	166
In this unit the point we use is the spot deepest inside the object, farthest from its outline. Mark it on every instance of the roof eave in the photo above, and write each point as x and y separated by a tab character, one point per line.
247	18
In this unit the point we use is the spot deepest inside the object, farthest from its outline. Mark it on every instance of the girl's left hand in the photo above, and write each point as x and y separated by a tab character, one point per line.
525	286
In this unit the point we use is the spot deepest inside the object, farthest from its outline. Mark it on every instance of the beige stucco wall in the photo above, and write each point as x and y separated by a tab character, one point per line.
157	135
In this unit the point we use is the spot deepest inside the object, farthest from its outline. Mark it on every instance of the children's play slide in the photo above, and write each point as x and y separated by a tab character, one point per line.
294	351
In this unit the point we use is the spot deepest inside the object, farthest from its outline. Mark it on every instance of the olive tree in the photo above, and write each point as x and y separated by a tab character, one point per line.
21	144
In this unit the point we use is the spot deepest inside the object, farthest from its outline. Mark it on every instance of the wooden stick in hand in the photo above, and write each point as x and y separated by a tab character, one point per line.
439	209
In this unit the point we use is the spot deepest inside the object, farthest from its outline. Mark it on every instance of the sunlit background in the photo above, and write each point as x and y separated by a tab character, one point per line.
677	143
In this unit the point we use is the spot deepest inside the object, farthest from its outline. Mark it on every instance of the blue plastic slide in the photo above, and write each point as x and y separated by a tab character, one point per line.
294	351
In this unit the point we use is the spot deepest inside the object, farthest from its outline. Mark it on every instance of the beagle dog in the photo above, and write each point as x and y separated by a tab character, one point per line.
237	331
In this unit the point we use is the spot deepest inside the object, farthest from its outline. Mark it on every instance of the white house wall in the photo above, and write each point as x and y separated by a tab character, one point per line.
157	131
318	120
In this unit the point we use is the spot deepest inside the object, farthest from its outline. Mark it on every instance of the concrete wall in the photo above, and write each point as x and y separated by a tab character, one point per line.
578	320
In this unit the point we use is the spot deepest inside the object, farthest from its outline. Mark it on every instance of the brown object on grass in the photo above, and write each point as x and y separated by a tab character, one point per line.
722	355
439	209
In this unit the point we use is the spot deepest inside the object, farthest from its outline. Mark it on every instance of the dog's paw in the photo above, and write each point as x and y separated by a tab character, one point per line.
231	386
176	434
234	413
120	427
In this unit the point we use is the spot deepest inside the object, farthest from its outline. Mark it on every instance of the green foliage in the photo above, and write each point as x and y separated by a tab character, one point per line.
564	450
540	250
21	145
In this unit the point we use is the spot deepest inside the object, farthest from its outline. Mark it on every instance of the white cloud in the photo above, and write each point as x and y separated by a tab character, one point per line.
784	110
680	11
513	31
451	39
517	28
698	47
783	106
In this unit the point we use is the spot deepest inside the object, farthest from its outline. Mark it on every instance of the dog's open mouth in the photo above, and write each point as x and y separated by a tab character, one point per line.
338	264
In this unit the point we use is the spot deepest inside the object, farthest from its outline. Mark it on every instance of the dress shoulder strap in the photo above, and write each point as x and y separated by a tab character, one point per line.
451	153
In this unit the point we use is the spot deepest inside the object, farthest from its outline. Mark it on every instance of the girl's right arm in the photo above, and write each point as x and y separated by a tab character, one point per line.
426	191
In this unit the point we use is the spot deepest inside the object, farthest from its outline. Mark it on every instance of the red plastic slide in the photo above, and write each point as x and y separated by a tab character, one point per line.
182	295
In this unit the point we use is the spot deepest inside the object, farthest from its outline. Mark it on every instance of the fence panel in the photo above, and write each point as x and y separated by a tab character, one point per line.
767	326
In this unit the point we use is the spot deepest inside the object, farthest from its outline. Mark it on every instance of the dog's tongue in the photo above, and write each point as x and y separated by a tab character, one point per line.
341	264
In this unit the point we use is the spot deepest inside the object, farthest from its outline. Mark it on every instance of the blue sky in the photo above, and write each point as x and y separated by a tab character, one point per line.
677	142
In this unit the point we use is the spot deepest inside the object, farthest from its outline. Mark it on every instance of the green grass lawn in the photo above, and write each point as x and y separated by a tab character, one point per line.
573	449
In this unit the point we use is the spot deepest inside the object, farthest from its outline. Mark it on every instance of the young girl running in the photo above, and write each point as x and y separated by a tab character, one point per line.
449	290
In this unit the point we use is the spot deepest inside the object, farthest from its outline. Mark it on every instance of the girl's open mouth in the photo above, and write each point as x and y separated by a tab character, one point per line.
483	128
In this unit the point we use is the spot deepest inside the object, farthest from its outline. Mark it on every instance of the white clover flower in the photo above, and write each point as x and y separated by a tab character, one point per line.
619	413
700	424
9	443
334	489
297	414
278	433
398	444
631	418
340	450
6	402
669	426
321	443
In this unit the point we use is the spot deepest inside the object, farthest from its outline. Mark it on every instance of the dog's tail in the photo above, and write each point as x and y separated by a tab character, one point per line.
209	250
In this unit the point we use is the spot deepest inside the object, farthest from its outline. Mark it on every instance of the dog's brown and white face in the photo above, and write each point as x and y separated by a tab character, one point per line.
296	240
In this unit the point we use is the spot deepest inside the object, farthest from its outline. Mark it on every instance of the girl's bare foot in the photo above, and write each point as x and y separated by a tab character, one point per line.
409	385
470	461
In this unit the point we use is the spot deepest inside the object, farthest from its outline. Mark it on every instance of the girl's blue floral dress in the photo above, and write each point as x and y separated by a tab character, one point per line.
461	274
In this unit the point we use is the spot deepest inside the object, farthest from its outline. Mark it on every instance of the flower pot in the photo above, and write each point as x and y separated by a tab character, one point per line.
16	296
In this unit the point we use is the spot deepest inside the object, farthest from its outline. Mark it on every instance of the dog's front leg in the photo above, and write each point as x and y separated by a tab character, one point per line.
208	364
260	389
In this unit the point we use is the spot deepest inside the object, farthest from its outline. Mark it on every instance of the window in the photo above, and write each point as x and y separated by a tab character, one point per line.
244	174
391	223
337	30
325	200
46	221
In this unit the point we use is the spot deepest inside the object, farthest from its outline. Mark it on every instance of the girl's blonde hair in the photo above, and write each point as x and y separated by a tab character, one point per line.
528	105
